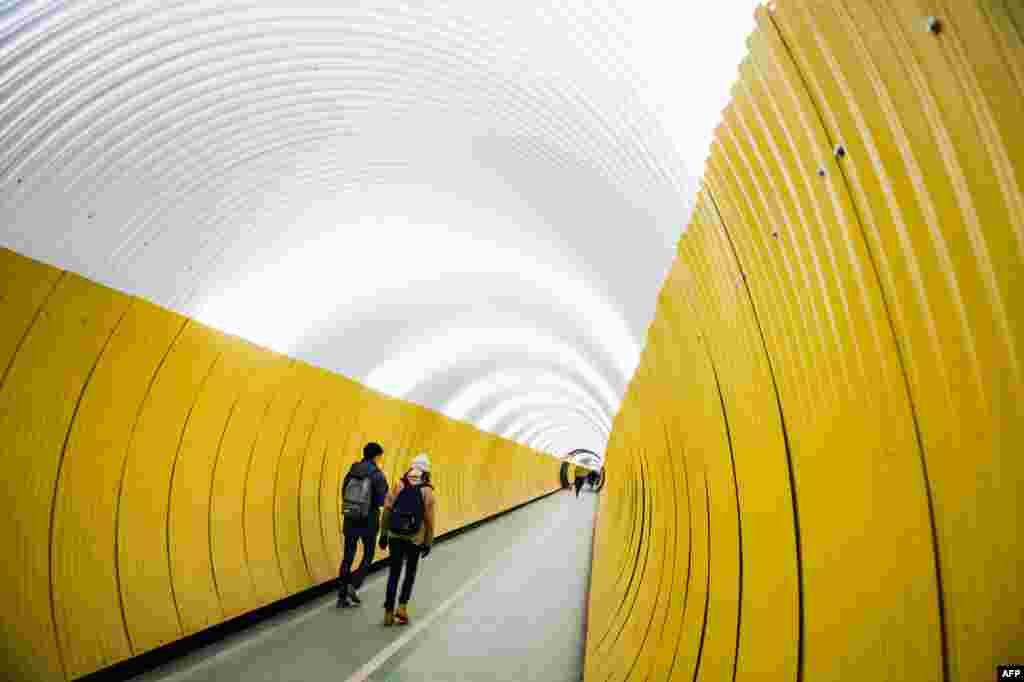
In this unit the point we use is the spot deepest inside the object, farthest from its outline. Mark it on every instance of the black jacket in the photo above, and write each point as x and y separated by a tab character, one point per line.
380	491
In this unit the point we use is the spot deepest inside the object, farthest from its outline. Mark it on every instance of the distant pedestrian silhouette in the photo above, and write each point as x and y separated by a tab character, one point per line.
581	478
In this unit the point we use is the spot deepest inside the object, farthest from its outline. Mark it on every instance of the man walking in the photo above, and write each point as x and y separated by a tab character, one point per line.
362	495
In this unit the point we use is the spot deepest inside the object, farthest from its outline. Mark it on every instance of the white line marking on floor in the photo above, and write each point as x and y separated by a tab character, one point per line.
275	629
363	674
249	641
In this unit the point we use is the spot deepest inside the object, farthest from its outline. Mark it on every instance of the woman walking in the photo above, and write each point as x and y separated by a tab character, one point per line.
408	527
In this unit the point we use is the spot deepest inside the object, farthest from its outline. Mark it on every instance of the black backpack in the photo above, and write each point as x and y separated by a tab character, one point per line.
356	498
408	510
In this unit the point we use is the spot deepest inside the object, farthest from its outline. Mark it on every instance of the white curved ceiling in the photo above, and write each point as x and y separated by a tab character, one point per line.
470	205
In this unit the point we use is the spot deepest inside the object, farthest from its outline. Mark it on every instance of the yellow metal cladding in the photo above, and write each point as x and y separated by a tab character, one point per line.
170	477
815	473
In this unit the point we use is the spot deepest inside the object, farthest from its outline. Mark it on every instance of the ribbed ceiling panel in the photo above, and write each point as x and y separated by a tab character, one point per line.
413	194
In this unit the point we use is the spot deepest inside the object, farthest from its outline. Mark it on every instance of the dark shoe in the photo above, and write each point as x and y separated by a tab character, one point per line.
342	603
356	601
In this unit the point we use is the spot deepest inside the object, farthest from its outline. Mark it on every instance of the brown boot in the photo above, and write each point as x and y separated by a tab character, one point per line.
389	617
401	615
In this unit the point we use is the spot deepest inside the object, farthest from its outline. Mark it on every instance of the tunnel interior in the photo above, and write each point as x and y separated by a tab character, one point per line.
757	266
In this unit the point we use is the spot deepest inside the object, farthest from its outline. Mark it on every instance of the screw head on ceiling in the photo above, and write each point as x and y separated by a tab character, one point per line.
821	171
775	234
839	151
934	25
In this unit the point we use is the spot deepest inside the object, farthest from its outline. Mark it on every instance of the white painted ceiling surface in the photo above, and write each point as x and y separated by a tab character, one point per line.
469	205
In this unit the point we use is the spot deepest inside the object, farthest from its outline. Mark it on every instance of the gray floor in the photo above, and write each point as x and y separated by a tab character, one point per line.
504	601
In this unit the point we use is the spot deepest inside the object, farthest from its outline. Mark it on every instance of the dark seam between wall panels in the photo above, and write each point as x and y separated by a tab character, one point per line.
785	438
675	531
31	324
634	528
644	542
124	472
702	339
739	515
636	562
320	497
650	622
1013	22
636	533
273	495
689	563
213	479
929	494
707	588
302	469
56	482
170	489
248	469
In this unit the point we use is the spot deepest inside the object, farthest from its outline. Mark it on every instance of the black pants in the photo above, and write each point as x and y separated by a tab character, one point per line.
402	552
345	575
579	485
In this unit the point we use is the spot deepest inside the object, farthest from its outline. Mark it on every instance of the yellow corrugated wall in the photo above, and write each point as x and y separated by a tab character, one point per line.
816	471
162	477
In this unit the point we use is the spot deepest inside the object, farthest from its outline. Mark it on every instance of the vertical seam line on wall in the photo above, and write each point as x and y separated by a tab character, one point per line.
650	622
248	468
644	542
899	353
702	338
739	515
673	524
707	588
320	495
302	470
170	489
633	530
31	325
209	513
273	495
636	560
56	484
120	487
629	536
689	562
632	501
1013	22
785	439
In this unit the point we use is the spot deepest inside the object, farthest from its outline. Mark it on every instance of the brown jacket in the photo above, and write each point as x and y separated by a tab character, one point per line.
424	537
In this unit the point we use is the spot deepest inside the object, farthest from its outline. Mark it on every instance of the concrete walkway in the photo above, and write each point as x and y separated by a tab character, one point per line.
504	601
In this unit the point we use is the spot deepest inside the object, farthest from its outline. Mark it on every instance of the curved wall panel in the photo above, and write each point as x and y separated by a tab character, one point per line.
827	411
261	373
91	477
188	518
171	477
